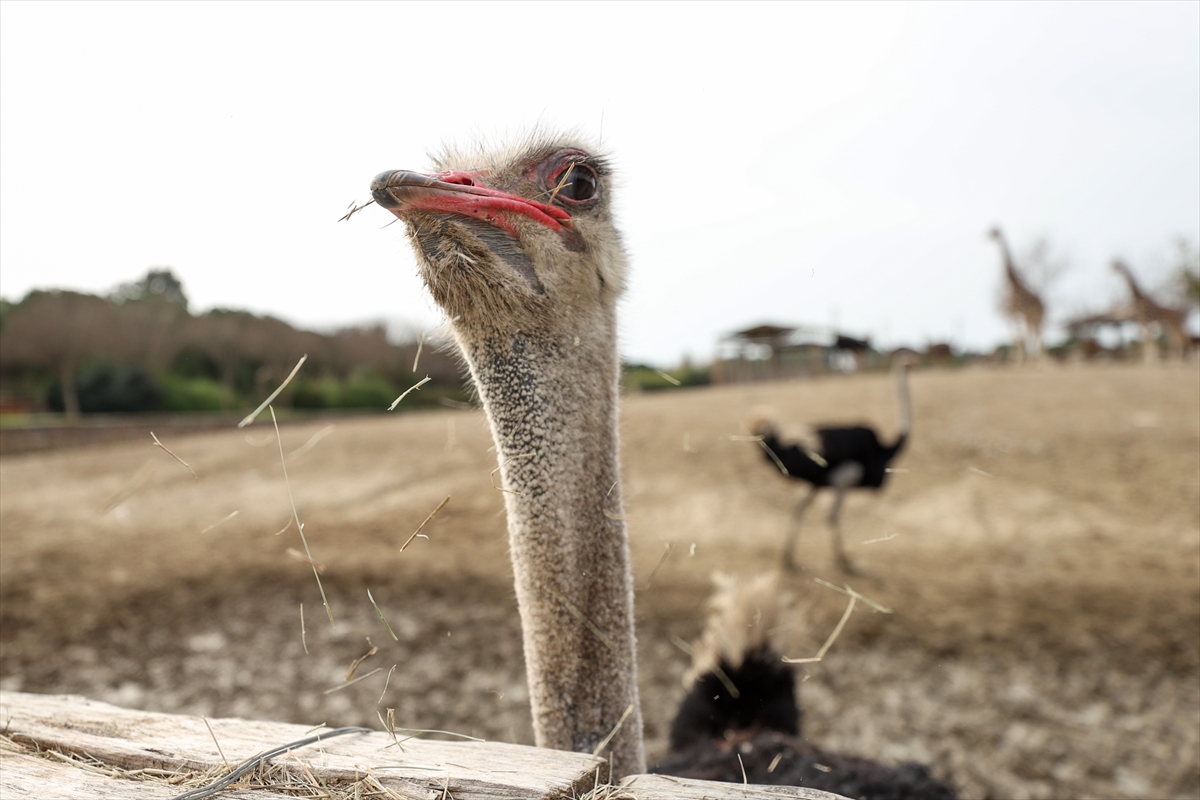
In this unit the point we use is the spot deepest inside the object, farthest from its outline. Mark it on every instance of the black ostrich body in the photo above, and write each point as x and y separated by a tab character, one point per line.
856	444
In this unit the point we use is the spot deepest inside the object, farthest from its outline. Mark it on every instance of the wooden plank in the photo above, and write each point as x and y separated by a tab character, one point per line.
133	740
420	769
666	787
26	777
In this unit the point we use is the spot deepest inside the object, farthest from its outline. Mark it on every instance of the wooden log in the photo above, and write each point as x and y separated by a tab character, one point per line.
72	748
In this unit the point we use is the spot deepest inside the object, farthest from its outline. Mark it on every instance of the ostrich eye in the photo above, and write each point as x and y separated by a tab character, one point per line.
576	183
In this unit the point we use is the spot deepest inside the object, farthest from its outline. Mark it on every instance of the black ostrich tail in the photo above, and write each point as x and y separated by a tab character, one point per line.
760	695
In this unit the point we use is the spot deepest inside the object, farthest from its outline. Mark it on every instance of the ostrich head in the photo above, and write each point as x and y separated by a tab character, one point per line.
513	239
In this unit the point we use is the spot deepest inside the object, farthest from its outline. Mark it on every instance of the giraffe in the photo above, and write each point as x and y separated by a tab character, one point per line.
1170	320
1022	306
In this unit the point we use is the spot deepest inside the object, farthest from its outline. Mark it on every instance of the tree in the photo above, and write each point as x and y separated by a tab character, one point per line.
355	348
59	331
5	307
1043	265
159	284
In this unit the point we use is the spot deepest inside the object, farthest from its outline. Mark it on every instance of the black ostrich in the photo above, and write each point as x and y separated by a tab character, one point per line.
740	719
840	457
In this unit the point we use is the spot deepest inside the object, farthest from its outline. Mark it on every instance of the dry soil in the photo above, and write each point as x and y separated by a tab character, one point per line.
1039	546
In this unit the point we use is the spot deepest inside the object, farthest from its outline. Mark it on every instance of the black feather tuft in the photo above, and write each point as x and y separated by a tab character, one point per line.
766	701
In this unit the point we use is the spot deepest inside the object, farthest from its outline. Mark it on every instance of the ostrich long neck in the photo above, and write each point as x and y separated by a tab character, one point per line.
551	399
903	402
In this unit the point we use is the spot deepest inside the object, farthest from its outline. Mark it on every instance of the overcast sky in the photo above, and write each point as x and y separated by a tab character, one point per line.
817	164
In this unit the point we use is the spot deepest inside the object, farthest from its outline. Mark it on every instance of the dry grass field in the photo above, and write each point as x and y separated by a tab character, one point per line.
1040	551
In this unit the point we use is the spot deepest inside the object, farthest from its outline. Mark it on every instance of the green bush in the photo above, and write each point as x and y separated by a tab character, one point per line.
318	393
193	394
693	376
192	361
365	390
108	388
643	378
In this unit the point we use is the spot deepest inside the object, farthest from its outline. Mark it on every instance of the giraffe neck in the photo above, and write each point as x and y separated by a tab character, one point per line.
1010	268
551	400
1134	289
1023	301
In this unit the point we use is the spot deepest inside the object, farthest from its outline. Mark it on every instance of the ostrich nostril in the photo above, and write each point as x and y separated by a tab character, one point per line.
456	177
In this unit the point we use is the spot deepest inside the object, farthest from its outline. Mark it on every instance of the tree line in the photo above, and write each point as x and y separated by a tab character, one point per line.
139	348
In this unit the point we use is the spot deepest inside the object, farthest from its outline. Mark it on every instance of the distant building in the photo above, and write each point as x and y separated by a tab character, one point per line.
1106	335
774	352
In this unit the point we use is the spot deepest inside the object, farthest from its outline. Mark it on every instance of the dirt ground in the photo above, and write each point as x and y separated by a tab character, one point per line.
1040	550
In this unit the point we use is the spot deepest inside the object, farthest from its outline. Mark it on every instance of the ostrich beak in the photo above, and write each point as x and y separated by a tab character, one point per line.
459	192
